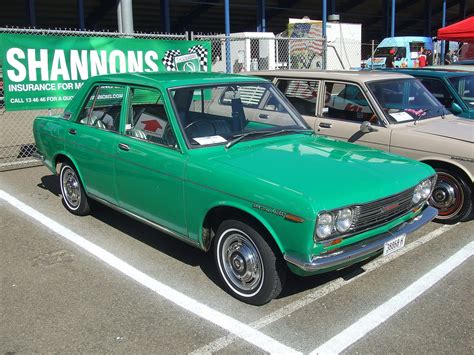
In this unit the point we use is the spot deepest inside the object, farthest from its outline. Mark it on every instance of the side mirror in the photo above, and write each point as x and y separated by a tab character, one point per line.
455	108
366	127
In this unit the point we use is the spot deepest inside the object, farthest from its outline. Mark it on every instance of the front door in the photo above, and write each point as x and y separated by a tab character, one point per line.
344	108
149	168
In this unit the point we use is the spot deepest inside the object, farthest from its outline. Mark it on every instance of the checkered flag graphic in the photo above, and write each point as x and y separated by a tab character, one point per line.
202	55
168	59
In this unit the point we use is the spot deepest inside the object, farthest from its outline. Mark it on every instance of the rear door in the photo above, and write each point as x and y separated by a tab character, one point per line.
344	107
92	138
303	94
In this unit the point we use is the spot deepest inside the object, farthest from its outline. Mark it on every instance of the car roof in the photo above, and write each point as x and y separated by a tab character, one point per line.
434	72
173	79
348	75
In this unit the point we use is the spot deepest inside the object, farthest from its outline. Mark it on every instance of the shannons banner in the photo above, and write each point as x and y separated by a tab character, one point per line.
42	72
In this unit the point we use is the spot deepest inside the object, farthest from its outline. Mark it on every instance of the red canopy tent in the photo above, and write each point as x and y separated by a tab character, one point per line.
462	31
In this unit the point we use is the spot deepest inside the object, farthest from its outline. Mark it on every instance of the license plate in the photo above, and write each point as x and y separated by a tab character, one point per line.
394	245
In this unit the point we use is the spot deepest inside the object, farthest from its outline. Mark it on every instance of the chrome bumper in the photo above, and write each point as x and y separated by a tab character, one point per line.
38	155
362	249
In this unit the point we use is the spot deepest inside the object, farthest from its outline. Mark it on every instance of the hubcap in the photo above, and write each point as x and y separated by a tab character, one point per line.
447	196
242	262
71	188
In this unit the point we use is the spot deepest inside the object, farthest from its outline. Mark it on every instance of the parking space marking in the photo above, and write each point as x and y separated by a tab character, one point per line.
332	286
379	315
230	324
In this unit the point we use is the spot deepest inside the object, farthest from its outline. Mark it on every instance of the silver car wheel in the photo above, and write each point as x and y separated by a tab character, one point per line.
71	188
242	262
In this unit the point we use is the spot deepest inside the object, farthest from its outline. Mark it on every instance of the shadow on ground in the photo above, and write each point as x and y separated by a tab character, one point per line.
188	254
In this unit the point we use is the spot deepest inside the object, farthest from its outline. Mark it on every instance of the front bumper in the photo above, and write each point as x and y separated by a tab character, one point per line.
363	249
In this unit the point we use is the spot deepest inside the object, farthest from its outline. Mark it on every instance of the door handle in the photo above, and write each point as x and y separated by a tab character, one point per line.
72	131
124	147
263	116
325	125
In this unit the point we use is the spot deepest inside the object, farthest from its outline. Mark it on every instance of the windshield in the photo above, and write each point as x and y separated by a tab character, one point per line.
215	115
400	52
405	100
464	86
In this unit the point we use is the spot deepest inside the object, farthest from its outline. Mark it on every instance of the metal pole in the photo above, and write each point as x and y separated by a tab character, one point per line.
80	12
127	16
165	15
325	43
325	15
392	32
261	26
227	36
443	25
119	16
32	12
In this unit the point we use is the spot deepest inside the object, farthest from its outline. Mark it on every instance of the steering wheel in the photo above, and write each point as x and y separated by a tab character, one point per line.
194	123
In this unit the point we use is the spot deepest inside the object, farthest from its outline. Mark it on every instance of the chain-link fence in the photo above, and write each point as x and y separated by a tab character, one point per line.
296	49
16	136
256	51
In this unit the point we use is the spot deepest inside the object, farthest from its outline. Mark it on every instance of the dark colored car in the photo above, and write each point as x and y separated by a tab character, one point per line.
454	89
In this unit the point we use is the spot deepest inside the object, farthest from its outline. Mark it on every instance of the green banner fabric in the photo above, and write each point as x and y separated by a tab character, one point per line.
42	72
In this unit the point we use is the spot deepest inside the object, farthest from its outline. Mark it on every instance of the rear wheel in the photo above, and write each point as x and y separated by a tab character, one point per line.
251	268
74	197
452	196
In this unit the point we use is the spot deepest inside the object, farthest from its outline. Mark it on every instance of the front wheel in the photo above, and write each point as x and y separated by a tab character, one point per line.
251	269
74	197
452	196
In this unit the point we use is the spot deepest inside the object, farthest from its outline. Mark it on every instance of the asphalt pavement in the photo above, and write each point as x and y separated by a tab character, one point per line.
58	297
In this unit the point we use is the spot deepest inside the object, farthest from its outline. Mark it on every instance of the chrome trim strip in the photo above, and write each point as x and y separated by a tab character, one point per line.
362	249
148	222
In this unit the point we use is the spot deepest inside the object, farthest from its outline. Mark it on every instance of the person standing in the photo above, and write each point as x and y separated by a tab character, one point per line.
390	59
422	59
429	57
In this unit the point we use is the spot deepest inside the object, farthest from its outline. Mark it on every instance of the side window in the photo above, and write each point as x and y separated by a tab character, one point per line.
102	108
147	118
437	88
347	102
301	93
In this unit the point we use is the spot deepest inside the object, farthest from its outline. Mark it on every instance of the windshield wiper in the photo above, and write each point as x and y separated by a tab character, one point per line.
265	133
421	113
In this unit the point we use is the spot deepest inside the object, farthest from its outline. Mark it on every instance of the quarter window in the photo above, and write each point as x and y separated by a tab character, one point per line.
347	102
301	93
147	118
102	108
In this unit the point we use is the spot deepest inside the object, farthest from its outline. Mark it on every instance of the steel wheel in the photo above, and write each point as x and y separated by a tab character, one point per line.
249	262
74	198
242	261
451	196
71	189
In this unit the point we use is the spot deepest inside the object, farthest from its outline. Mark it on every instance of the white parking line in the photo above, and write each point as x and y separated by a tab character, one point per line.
379	315
232	325
320	292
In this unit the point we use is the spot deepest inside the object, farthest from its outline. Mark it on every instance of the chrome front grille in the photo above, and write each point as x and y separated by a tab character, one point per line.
381	211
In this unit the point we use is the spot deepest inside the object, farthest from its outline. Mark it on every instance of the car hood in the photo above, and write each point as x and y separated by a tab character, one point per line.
329	173
455	128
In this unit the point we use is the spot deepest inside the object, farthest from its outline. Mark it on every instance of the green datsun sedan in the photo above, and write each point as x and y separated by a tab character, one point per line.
224	162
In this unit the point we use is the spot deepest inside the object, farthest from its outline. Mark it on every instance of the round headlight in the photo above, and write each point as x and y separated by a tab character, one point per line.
325	225
344	220
417	194
426	188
